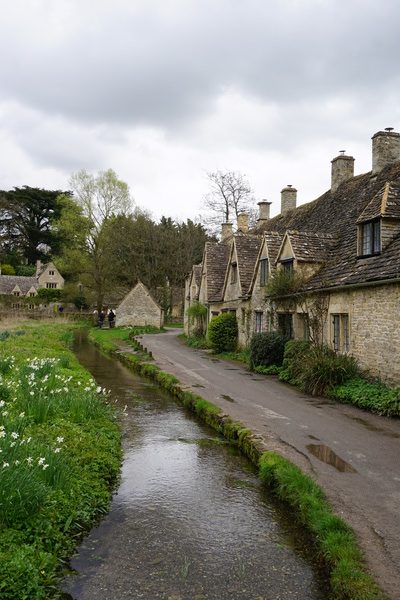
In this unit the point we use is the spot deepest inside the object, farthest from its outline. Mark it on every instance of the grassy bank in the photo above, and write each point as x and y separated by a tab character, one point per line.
334	540
60	457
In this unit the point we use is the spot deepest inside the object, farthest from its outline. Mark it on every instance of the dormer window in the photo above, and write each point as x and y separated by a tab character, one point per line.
263	271
233	272
287	265
370	238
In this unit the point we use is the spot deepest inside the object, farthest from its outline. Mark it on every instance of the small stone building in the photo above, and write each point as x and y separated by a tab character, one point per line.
138	308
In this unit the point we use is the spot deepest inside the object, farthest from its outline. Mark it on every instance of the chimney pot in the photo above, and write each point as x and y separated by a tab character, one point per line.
243	222
263	214
385	149
342	170
288	199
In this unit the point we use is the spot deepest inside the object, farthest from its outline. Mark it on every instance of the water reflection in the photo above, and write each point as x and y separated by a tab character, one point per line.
327	455
190	519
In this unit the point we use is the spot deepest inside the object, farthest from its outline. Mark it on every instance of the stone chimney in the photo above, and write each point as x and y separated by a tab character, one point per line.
263	214
288	199
38	266
342	170
226	231
385	149
243	222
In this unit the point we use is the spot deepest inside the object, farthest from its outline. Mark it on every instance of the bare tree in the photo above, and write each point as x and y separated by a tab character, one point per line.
230	194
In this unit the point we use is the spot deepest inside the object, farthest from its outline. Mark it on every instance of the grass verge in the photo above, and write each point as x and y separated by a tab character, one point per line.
333	538
60	457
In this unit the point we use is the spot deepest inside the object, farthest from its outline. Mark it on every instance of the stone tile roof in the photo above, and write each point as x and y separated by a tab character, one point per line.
274	241
8	283
247	250
337	214
385	203
309	246
216	261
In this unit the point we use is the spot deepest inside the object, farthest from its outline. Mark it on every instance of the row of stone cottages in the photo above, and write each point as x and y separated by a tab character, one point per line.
343	250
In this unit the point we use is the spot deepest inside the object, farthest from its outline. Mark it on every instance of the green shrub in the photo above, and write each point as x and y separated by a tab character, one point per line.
371	396
266	349
316	369
271	370
223	332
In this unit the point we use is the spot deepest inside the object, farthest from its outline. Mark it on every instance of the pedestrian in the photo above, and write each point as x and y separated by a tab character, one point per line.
111	318
101	318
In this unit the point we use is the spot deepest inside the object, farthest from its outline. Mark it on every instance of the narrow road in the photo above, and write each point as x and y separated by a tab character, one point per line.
352	454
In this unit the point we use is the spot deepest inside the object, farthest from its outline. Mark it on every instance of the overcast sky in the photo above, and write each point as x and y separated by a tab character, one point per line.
163	91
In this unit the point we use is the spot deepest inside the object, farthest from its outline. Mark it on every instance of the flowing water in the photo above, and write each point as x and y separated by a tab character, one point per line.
190	520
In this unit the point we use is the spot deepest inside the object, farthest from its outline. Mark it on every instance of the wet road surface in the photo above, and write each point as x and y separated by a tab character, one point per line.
354	455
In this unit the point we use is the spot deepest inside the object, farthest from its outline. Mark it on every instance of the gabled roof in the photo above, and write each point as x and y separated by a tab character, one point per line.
9	282
385	203
216	257
247	250
273	240
309	246
337	214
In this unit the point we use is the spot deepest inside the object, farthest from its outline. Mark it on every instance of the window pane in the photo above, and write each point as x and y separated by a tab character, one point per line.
258	322
367	238
377	236
336	333
346	339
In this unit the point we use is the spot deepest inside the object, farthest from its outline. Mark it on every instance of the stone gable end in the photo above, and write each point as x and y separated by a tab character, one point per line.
138	308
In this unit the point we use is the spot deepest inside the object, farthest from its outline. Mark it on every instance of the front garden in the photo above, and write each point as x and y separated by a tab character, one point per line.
59	457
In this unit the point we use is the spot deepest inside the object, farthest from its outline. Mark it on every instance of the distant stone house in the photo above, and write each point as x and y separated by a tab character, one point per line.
344	248
22	288
139	308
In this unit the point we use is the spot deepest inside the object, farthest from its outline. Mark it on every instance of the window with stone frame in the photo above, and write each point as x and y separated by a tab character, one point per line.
16	293
287	265
340	332
234	272
369	238
263	271
51	272
258	321
51	286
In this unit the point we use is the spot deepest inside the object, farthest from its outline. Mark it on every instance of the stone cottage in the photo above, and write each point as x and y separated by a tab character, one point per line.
138	308
47	276
342	249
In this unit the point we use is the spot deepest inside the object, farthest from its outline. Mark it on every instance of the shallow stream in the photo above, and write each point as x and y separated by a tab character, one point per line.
190	520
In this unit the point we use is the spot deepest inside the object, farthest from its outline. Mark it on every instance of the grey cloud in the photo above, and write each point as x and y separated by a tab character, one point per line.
135	67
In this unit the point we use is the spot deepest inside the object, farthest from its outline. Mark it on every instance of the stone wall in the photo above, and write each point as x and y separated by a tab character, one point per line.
375	331
374	328
138	308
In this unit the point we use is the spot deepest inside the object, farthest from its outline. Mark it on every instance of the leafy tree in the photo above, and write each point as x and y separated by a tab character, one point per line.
98	200
7	269
26	218
100	197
